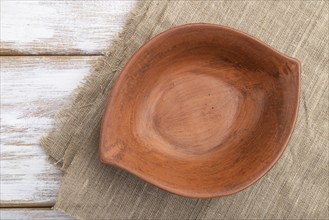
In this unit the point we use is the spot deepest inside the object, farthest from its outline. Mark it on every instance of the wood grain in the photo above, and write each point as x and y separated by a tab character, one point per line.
36	214
60	27
201	111
32	90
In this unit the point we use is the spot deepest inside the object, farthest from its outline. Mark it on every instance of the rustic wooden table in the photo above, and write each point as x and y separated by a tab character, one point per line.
47	47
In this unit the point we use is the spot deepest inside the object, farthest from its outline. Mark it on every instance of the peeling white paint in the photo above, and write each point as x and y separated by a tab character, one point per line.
61	26
41	214
20	21
32	90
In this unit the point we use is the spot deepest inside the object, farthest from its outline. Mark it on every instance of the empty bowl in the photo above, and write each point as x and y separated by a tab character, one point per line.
201	110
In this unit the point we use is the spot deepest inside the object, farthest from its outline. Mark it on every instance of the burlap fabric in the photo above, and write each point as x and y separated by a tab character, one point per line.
296	188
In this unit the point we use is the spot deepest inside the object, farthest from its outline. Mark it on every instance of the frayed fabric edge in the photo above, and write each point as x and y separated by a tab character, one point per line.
46	142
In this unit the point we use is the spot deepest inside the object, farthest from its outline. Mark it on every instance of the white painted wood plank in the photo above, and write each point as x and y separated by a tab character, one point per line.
60	27
37	214
32	90
27	179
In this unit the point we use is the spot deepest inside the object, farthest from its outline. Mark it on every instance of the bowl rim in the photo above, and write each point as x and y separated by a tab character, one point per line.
179	192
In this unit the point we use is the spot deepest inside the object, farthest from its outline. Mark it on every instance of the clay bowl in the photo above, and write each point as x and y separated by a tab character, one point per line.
201	111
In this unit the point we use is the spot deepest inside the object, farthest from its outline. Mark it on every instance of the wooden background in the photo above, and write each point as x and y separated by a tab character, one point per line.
47	47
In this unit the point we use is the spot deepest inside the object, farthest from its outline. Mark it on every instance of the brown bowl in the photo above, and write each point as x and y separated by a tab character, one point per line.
201	110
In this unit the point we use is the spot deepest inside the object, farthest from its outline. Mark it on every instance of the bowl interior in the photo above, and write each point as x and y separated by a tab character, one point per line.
201	111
